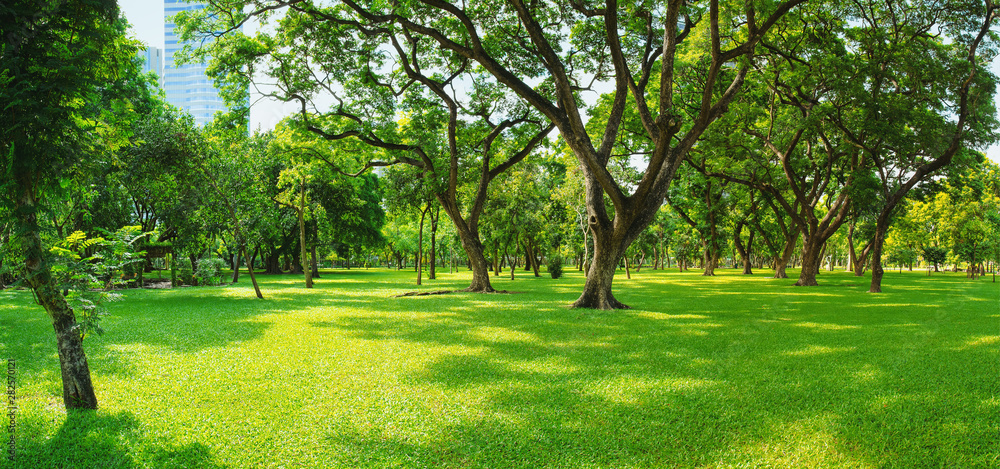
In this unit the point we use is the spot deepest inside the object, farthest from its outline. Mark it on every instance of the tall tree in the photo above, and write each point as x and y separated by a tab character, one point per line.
548	54
784	146
62	63
459	140
917	93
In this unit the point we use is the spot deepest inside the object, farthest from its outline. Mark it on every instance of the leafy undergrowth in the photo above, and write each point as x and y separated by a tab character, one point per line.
730	371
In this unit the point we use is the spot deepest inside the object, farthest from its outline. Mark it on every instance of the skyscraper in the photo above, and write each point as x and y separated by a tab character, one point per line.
187	86
152	61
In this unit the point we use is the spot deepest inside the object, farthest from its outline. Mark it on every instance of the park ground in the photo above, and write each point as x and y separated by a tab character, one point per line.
708	372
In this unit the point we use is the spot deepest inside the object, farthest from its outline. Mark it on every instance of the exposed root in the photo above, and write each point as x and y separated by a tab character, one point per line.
605	305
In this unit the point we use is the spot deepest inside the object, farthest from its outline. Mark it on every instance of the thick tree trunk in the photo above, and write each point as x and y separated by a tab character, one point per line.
477	262
812	249
78	390
780	263
741	250
272	262
597	289
708	260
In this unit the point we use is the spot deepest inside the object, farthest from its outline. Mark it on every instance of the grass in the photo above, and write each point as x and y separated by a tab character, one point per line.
729	371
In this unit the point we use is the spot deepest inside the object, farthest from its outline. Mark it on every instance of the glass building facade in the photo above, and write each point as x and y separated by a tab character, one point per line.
187	86
152	61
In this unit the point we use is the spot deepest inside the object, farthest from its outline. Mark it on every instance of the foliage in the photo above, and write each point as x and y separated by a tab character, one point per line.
92	267
555	266
209	271
934	255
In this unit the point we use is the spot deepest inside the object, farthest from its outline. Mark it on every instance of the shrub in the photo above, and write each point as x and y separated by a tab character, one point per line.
209	271
555	266
185	276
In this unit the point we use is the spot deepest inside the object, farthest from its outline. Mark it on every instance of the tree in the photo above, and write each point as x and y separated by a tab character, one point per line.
700	202
62	63
455	139
916	94
562	46
782	144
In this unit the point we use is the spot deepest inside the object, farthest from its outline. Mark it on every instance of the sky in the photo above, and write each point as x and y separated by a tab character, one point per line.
146	17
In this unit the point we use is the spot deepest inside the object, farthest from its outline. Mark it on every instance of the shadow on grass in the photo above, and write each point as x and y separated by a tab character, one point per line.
95	439
819	378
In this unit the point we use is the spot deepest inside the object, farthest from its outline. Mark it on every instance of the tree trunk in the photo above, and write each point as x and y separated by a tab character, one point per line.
876	255
860	263
741	250
812	249
533	256
315	262
513	263
496	258
236	266
781	263
420	244
708	258
477	262
303	252
78	390
597	289
272	262
435	216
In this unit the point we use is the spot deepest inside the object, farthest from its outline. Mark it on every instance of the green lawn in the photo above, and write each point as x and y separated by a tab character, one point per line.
730	371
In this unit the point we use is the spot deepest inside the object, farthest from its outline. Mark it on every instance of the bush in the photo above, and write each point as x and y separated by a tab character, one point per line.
210	271
555	266
185	276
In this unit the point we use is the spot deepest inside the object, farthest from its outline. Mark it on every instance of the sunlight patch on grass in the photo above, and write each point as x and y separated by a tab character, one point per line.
810	442
826	327
503	334
991	404
550	365
814	350
667	316
632	389
979	341
869	374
